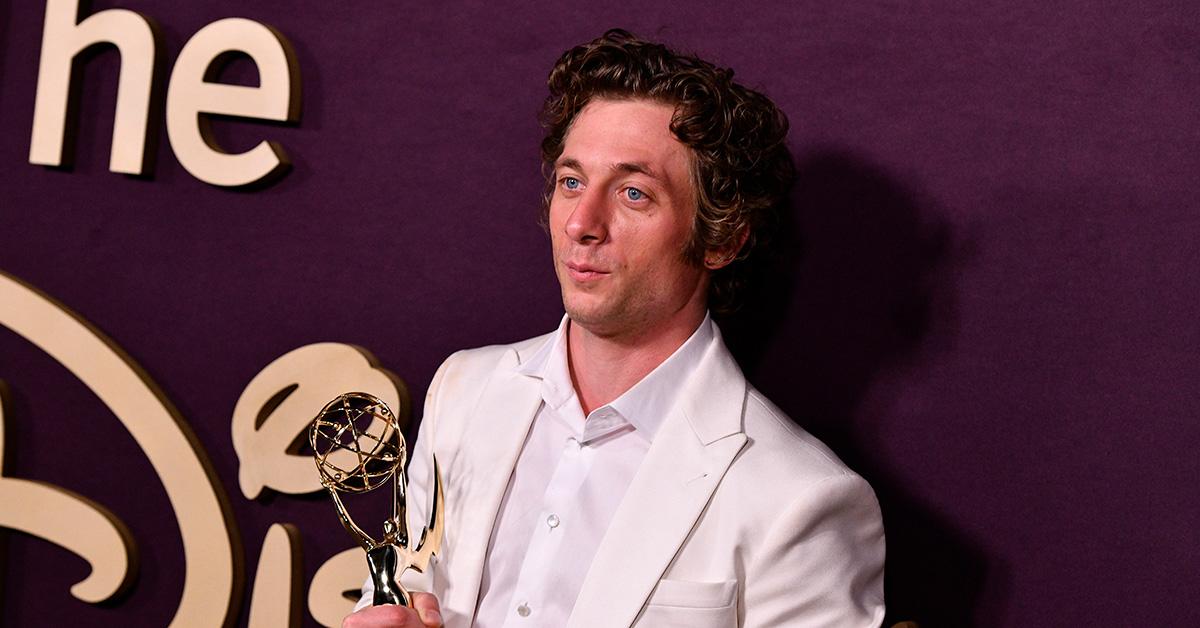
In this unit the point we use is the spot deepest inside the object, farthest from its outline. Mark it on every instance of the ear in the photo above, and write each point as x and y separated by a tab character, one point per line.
716	259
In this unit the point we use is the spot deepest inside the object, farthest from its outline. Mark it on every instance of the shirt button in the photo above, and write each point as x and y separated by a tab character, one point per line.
523	610
552	521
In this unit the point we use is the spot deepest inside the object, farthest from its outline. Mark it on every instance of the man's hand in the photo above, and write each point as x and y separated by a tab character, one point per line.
425	613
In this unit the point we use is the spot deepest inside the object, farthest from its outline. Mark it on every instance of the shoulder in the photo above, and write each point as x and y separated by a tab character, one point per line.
486	359
809	518
783	444
463	375
787	490
785	464
777	453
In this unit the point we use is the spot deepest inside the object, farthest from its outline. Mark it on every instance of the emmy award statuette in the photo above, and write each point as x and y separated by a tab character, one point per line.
358	447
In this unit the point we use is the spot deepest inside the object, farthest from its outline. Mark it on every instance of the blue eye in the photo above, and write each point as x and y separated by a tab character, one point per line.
571	183
634	194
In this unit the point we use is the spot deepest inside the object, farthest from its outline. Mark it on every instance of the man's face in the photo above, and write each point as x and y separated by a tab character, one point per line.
620	219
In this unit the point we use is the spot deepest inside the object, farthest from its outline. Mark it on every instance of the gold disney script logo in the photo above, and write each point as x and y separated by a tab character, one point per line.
262	428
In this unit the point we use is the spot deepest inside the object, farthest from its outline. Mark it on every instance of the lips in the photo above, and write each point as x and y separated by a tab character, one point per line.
581	271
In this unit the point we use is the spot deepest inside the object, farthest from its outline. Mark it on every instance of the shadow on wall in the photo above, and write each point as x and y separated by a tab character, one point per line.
859	287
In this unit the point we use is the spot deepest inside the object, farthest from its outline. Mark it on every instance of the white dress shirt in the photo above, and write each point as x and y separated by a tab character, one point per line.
571	475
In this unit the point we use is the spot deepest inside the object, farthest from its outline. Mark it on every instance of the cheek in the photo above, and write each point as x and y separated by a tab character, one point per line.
554	224
671	264
556	216
669	245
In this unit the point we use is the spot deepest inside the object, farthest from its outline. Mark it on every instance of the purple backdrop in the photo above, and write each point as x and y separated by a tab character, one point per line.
990	308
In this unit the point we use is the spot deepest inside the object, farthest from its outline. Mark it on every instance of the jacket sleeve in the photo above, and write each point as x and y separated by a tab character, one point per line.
821	562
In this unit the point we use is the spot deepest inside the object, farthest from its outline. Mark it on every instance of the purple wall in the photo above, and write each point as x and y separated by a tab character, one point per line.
990	310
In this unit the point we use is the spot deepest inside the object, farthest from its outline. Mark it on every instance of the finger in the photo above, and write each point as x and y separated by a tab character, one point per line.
387	615
428	608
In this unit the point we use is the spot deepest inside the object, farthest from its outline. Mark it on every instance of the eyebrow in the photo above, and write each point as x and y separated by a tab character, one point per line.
568	162
639	167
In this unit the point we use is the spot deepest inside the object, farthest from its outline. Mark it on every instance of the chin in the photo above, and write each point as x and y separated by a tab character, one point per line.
579	312
587	310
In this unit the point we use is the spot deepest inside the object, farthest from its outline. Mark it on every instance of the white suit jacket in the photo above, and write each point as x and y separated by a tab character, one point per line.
737	517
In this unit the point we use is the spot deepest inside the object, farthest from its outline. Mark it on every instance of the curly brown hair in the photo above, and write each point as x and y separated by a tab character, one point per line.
741	168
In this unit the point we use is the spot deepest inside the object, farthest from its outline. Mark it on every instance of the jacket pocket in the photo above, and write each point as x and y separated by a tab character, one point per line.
689	604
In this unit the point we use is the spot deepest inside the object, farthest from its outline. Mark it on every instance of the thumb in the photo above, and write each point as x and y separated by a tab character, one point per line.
427	606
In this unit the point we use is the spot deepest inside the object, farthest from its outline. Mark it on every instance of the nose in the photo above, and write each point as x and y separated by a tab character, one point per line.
588	221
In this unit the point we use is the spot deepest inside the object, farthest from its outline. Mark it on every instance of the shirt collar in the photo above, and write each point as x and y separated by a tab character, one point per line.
647	403
549	364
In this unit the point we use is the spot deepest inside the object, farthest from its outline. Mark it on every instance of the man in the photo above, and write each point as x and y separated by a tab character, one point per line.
620	471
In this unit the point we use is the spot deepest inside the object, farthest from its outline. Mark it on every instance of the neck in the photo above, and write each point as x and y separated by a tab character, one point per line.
604	367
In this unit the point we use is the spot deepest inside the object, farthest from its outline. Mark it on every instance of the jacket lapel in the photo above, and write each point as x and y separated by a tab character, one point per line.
493	443
690	453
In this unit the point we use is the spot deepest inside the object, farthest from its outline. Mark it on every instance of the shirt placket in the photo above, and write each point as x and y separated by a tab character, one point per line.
553	524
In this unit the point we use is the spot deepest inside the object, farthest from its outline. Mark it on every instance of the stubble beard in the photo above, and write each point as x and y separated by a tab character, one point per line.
600	316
